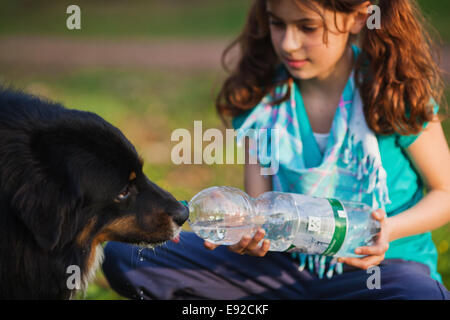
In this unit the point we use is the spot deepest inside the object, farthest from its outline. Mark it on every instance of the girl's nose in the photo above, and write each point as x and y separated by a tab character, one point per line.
291	40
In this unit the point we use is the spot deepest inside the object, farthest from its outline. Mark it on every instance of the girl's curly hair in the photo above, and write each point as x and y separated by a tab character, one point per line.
397	73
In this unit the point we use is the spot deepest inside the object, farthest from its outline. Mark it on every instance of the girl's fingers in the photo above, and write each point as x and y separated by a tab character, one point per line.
363	263
260	251
209	245
253	244
254	248
241	245
379	214
381	244
376	250
264	248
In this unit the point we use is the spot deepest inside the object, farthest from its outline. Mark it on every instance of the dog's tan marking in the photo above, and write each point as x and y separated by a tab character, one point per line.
121	225
132	176
107	234
86	232
114	231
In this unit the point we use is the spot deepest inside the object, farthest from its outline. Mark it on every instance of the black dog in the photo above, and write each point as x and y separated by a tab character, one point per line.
68	182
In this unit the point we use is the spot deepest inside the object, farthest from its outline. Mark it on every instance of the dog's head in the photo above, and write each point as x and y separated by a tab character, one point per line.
73	177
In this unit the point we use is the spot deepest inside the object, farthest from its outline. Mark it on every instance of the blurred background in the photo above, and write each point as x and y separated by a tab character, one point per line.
148	67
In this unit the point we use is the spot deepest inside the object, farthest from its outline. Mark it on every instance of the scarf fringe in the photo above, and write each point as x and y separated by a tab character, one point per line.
374	174
318	264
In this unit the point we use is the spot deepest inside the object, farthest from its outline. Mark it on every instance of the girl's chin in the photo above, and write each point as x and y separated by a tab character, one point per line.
302	74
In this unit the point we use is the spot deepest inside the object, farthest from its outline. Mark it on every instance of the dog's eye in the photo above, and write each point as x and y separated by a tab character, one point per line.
124	194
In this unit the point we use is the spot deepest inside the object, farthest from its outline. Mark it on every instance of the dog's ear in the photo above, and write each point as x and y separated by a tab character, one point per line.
42	207
43	189
37	182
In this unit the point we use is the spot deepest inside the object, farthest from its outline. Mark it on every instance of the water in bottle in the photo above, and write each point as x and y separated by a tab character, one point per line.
292	222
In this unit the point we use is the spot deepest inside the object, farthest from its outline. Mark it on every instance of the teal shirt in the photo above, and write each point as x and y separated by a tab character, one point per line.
405	186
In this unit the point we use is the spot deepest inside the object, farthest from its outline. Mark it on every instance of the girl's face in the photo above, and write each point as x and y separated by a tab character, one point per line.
297	34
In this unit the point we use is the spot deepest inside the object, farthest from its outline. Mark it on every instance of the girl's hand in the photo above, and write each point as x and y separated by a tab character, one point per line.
247	245
375	253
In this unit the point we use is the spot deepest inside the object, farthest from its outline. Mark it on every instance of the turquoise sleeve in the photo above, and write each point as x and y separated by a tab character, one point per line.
406	141
237	121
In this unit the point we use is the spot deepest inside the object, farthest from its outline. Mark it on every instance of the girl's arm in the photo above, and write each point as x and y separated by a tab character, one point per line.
254	183
431	157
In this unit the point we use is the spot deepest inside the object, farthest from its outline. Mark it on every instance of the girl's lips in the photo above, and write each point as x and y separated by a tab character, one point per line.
296	64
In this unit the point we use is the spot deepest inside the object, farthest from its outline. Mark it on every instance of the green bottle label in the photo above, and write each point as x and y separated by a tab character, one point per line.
290	248
340	229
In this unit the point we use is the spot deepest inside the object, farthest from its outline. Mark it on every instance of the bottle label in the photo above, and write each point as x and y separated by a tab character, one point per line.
314	224
325	231
340	228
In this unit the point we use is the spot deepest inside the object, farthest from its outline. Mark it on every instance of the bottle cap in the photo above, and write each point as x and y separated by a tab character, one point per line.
184	203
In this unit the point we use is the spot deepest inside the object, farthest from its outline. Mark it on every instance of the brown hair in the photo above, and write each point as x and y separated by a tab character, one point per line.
396	71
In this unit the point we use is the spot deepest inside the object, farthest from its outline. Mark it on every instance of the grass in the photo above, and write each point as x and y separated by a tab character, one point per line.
116	19
152	18
436	12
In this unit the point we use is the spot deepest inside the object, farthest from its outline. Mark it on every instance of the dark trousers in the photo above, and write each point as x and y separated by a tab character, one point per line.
186	270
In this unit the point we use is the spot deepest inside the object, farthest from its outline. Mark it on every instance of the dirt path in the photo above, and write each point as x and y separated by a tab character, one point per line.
55	53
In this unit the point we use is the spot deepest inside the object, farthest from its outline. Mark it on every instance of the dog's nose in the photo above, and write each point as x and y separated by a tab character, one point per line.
180	214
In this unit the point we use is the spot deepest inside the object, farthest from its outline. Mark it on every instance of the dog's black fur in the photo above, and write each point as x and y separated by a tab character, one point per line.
68	182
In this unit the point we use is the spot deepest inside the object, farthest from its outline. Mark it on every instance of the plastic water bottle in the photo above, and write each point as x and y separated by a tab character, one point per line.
292	222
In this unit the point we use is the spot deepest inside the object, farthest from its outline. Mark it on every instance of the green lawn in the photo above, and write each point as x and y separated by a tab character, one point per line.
437	12
115	19
152	18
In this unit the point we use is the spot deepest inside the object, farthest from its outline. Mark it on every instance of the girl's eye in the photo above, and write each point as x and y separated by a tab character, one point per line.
308	29
123	195
279	24
276	23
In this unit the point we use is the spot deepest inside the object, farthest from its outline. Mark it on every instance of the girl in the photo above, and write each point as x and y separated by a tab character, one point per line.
356	111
